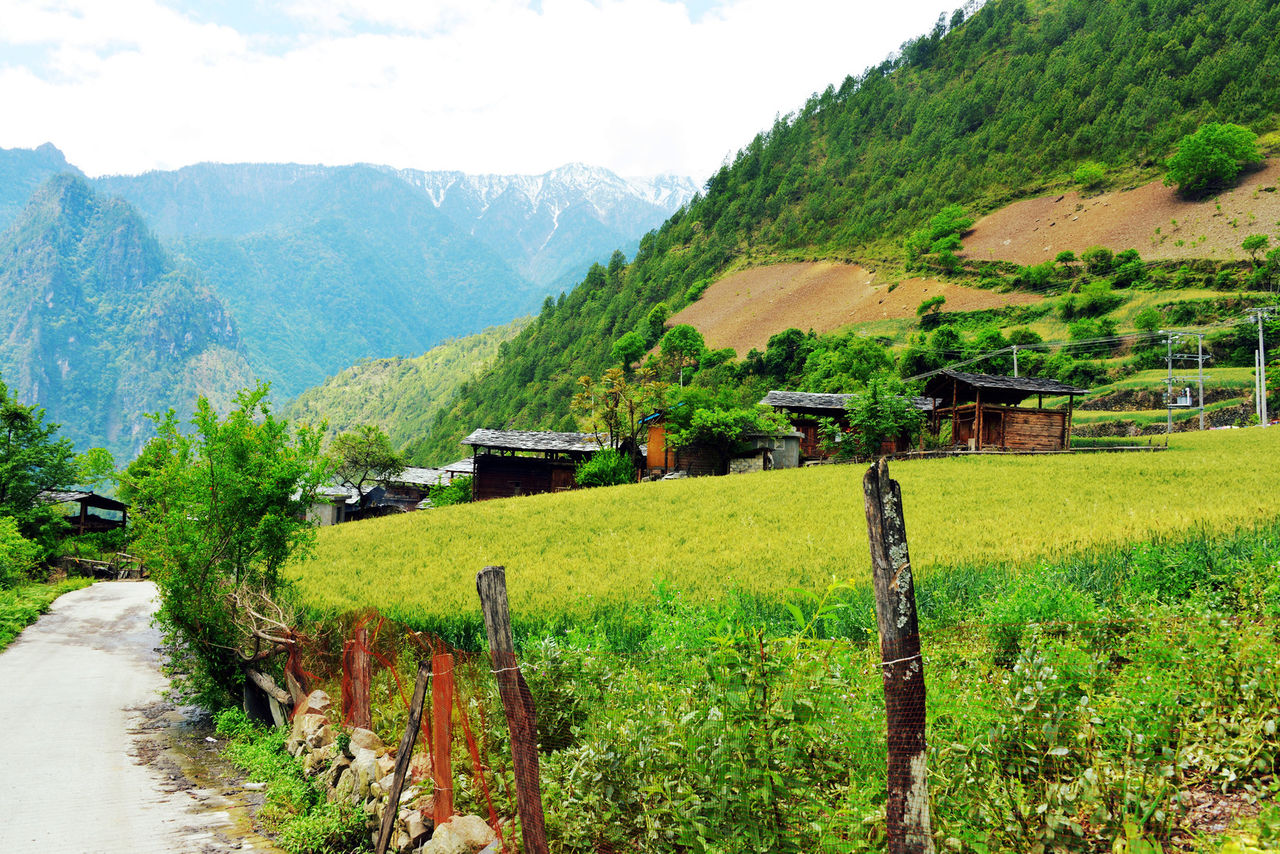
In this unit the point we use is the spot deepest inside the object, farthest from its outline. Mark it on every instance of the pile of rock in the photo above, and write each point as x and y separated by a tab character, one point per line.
361	772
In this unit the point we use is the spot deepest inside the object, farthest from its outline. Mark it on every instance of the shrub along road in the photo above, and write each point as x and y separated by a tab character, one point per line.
94	761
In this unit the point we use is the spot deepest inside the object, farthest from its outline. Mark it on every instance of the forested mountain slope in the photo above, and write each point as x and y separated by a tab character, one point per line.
979	112
400	395
100	326
22	171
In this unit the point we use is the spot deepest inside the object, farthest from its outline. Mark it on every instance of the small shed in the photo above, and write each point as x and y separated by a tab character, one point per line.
111	516
804	410
525	462
985	413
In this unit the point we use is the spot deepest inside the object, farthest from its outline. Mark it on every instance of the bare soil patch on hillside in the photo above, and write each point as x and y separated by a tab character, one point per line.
744	308
1151	219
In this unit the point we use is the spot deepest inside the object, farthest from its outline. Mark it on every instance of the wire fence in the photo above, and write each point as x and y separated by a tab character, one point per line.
1054	736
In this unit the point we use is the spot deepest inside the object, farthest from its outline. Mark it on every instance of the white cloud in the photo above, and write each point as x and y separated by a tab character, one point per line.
639	86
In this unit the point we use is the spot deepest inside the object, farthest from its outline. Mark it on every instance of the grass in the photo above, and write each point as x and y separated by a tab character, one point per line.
570	554
22	606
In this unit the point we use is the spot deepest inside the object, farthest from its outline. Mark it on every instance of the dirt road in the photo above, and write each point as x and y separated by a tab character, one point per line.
93	760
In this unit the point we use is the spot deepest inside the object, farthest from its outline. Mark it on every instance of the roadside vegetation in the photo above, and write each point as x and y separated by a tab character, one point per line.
22	605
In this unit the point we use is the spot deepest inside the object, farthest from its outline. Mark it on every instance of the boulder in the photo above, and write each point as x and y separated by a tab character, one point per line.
316	703
462	834
420	766
415	826
366	739
364	768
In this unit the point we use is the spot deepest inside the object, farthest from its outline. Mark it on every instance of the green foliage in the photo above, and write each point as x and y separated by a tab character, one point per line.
882	412
362	458
934	304
607	467
218	511
22	605
1090	174
18	555
1212	157
723	430
1094	300
1148	320
1053	607
32	459
96	468
629	348
456	491
1255	243
294	808
612	407
1098	260
682	346
937	244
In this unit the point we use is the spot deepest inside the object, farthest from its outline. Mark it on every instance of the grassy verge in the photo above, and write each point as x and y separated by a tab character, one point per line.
22	606
757	538
295	808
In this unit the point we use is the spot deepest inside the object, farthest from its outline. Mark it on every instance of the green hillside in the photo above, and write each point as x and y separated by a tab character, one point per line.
998	106
400	395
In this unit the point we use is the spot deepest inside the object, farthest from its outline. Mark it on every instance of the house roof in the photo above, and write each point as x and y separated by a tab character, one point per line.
418	476
90	499
833	402
466	465
1002	389
532	440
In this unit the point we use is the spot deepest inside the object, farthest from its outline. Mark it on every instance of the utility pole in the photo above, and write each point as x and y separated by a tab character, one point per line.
1168	383
1259	315
1200	358
1015	360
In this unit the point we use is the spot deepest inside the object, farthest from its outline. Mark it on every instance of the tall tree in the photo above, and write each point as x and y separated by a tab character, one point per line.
363	458
32	459
219	509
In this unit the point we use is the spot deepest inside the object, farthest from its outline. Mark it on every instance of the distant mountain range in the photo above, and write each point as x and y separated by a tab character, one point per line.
317	268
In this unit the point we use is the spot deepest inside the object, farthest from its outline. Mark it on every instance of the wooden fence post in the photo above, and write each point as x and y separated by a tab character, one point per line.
902	667
403	755
517	702
360	713
442	737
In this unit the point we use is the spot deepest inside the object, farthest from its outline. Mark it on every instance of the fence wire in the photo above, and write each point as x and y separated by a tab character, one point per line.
1053	737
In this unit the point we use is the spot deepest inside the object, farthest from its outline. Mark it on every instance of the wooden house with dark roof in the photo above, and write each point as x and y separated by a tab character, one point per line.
113	514
804	410
524	462
984	411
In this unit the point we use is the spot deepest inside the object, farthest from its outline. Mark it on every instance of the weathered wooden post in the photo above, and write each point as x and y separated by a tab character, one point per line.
902	668
517	702
360	714
442	737
403	755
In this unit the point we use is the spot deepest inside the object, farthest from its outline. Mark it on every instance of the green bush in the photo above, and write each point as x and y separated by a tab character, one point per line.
607	467
18	555
1056	607
458	491
1212	157
1089	174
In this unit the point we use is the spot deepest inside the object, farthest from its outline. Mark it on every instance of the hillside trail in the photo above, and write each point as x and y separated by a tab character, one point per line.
95	760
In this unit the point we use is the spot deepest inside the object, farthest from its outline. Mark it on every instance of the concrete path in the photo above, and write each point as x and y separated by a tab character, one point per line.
90	759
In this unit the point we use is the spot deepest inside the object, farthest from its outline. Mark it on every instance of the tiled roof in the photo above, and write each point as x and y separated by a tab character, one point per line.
834	402
1030	385
532	440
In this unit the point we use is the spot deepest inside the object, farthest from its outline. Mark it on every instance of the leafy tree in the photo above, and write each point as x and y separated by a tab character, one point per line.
1148	320
32	459
219	510
1255	243
612	407
95	468
654	323
1066	258
1212	157
682	347
607	467
363	458
1098	260
932	304
629	348
723	430
883	411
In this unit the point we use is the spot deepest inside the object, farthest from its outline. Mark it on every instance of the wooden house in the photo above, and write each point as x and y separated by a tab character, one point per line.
805	409
524	462
112	514
984	411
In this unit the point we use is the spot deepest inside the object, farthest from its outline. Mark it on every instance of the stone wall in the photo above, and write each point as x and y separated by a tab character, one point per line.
361	772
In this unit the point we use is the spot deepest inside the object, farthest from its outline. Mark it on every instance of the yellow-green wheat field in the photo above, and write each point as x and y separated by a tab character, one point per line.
767	532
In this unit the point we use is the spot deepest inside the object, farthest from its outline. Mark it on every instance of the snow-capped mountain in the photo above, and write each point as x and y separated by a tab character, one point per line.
549	226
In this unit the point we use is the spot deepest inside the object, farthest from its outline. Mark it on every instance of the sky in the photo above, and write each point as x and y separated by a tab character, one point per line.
641	87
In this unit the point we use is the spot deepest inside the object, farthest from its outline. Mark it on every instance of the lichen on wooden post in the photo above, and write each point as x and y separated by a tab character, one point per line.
902	668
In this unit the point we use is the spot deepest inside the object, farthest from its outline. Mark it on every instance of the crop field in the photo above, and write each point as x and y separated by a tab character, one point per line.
765	534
